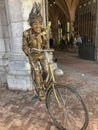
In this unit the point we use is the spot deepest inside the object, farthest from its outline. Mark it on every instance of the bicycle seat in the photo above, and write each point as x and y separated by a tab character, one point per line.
58	72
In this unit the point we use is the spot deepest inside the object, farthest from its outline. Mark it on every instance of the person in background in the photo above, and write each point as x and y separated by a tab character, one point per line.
71	41
78	40
62	42
85	39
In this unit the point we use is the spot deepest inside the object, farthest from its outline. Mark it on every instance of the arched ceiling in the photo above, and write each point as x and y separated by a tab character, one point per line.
67	7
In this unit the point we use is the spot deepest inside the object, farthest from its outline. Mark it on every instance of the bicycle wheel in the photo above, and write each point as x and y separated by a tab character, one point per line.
73	115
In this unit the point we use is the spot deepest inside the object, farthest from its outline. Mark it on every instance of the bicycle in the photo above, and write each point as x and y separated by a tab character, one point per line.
66	107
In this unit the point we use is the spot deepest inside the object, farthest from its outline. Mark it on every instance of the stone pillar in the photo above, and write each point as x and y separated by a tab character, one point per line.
18	76
4	43
71	27
55	29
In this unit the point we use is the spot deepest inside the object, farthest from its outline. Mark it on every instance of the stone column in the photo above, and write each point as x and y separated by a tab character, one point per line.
2	44
18	76
71	27
55	29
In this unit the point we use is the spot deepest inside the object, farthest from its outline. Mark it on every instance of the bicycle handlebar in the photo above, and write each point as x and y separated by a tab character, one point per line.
42	50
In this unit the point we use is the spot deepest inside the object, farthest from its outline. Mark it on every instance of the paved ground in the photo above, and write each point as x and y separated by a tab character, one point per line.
19	112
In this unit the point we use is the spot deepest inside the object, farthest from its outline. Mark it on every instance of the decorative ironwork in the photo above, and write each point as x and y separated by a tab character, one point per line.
85	25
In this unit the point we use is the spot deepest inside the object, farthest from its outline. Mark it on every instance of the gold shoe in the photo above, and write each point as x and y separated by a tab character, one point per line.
42	98
41	95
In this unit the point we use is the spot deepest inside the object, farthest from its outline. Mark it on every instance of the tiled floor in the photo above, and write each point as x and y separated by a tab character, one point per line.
19	112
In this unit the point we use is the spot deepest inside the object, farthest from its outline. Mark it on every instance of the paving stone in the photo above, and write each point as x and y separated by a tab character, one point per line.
19	112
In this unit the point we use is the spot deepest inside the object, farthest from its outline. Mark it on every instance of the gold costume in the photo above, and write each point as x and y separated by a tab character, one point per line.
36	37
31	40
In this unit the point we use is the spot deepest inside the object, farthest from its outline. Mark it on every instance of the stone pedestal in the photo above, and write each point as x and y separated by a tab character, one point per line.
19	75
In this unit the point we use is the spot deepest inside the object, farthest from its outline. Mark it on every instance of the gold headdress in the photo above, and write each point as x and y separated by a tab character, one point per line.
35	14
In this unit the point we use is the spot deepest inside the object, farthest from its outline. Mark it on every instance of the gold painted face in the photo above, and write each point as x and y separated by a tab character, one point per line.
36	26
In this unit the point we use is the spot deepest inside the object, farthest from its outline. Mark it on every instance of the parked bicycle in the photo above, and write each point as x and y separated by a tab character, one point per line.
65	106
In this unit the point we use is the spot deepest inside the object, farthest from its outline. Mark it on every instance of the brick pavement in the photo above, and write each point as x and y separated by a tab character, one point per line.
19	112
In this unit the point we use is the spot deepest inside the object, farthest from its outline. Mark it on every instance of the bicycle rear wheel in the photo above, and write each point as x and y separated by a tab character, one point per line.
73	115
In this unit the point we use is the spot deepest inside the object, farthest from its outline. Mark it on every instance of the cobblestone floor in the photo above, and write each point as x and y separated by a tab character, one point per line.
19	112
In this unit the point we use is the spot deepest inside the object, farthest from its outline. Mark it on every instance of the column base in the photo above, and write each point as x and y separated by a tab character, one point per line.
3	68
20	82
3	78
19	73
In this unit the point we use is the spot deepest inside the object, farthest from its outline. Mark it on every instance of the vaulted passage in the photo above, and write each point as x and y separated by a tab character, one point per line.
75	17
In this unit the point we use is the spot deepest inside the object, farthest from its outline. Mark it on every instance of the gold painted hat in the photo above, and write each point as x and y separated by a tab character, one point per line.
35	14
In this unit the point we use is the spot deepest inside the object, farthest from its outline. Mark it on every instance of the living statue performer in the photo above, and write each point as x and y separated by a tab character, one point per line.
36	37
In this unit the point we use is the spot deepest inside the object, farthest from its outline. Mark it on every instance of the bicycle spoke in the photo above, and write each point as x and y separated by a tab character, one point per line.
72	114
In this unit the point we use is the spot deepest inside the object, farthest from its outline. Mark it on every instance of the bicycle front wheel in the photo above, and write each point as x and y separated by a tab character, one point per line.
72	113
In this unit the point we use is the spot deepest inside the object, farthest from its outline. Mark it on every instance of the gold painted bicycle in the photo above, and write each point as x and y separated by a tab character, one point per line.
65	106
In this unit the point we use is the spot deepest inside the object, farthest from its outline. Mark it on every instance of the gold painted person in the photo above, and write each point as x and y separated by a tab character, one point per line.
36	37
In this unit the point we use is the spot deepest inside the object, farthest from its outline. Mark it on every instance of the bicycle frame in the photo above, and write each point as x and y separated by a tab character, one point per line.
52	82
55	93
